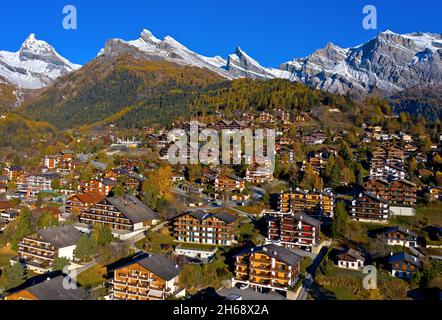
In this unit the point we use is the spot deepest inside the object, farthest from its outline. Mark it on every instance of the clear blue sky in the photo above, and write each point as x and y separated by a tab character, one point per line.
271	31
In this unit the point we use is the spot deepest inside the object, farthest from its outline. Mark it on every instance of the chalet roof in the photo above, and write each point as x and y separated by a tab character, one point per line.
378	180
109	182
15	168
352	253
120	171
279	253
394	181
132	208
158	264
61	237
234	177
307	192
225	216
405	257
90	197
39	211
372	197
401	230
6	205
308	219
53	290
404	182
203	215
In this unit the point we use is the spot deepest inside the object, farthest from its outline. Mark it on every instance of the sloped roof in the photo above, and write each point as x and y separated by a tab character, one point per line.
406	257
308	219
352	253
279	253
132	208
53	290
203	215
90	197
61	237
401	230
158	264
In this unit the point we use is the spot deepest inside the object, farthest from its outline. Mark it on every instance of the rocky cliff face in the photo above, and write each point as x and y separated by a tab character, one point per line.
390	62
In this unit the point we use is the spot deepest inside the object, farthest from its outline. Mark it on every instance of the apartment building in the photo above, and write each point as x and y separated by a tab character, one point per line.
297	230
267	267
400	192
369	208
39	250
126	216
316	203
78	202
229	183
145	277
388	155
205	228
259	175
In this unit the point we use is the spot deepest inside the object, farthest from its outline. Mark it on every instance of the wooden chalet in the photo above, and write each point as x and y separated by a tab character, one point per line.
145	277
267	267
398	236
401	192
350	259
229	183
205	228
404	265
78	202
369	208
297	230
316	203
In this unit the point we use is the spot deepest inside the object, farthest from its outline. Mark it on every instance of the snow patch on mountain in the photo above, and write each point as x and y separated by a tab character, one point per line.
35	65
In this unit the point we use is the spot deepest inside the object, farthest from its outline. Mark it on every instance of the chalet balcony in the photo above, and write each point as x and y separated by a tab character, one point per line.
265	268
262	261
37	255
261	276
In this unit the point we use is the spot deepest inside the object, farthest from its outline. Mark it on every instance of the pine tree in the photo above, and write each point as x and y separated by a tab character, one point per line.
105	236
23	228
86	248
340	221
15	275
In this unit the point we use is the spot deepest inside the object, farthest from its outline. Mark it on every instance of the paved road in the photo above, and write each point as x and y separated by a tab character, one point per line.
308	281
85	267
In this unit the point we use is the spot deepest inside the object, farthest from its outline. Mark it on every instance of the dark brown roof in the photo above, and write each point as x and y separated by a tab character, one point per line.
279	253
352	253
158	264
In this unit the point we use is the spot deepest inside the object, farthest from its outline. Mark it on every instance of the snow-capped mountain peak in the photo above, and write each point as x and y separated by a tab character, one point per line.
147	36
35	65
237	65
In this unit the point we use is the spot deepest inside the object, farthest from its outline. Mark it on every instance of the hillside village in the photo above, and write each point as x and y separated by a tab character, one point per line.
104	203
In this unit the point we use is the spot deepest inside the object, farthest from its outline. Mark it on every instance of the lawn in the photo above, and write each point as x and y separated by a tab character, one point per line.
92	277
253	210
6	253
430	215
342	293
157	242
